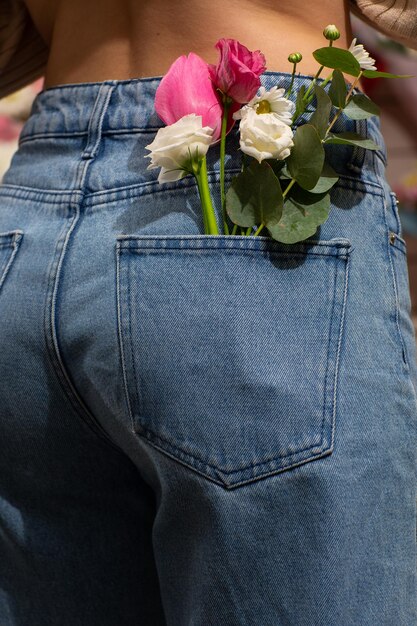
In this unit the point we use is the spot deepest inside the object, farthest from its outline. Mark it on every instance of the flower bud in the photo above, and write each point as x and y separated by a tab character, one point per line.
295	57
331	32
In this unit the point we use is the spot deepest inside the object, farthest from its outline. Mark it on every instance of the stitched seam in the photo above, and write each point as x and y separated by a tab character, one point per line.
149	434
339	345
245	481
135	382
51	335
14	244
329	343
169	444
151	188
121	324
396	296
253	252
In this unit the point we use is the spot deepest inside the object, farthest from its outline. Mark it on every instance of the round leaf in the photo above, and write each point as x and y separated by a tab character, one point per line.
320	117
337	90
254	196
306	160
376	74
352	139
301	215
338	59
360	107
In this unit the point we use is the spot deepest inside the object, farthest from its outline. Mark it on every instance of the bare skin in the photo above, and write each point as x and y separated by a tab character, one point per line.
96	40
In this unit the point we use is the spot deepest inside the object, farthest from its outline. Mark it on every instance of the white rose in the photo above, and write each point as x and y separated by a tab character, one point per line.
177	145
265	136
271	101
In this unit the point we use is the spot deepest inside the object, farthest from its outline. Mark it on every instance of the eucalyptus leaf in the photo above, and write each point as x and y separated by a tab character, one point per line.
306	160
254	196
303	212
320	118
328	178
337	59
278	166
338	90
360	107
351	139
376	74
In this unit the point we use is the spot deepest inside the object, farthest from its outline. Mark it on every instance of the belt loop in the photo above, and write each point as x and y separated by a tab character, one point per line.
95	123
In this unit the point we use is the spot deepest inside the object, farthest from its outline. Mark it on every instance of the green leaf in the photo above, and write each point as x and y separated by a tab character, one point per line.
360	107
306	160
328	178
352	139
376	74
303	212
338	90
254	196
320	118
278	166
338	59
300	105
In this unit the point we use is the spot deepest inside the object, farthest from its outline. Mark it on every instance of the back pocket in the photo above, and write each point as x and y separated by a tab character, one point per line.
230	348
9	245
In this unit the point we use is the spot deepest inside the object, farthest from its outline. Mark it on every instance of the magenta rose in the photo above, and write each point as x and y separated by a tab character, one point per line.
237	73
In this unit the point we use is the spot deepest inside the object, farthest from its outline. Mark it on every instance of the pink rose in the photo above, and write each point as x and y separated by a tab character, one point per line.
237	73
187	88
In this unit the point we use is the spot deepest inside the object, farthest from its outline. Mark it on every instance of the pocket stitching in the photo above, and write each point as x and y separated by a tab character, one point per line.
120	316
15	238
341	252
394	277
394	208
323	451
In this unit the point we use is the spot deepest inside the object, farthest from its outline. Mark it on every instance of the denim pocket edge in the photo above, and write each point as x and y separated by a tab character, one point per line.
338	249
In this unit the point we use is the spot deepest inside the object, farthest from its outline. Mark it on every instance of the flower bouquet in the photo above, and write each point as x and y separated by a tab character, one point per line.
283	188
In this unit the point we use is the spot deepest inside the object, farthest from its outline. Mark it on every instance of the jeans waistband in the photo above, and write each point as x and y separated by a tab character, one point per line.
128	105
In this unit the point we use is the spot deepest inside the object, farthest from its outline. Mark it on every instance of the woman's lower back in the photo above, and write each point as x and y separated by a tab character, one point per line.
96	40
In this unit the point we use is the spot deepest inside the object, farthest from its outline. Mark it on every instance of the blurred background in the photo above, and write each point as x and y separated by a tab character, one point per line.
397	99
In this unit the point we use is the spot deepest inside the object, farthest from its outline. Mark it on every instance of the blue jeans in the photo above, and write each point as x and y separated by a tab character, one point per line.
198	430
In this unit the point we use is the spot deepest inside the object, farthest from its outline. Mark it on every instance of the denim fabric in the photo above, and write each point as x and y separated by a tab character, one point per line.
198	430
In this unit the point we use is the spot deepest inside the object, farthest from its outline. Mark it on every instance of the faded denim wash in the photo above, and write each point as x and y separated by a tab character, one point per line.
198	430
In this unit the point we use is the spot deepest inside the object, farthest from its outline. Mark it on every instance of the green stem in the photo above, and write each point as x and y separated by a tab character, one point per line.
287	95
313	82
234	230
226	107
324	83
355	82
326	80
209	216
348	96
259	230
292	182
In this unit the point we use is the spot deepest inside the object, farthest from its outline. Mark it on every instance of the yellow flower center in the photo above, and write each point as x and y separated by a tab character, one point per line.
263	107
